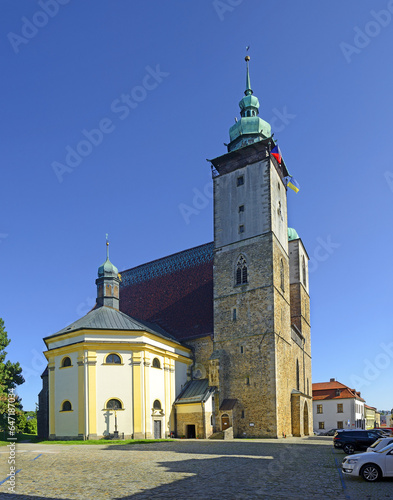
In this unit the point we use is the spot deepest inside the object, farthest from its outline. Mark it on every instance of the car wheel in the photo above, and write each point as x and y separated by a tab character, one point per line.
371	472
349	448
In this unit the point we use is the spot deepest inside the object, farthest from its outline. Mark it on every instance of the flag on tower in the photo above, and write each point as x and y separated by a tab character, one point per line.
276	152
292	183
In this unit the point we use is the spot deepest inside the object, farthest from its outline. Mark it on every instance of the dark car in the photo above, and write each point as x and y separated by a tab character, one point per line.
353	440
330	432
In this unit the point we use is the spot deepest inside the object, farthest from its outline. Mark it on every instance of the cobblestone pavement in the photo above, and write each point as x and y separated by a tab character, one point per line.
187	469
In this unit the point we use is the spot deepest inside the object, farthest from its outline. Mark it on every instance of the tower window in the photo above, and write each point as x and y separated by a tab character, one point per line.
241	228
304	271
242	413
241	349
240	180
241	209
282	274
156	363
241	271
66	406
247	380
66	362
234	314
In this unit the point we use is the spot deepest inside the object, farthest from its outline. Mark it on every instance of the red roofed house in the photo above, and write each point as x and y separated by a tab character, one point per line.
336	406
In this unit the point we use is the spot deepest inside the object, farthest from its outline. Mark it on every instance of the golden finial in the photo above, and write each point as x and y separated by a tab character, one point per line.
247	58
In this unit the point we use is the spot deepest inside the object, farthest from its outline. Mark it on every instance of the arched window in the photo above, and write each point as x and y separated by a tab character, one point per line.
304	271
66	406
241	271
157	405
113	359
297	376
66	362
113	404
156	363
282	274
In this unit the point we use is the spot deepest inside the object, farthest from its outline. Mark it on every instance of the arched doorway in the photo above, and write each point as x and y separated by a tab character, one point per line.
305	419
224	421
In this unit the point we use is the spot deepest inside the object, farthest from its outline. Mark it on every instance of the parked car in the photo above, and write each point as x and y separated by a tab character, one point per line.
380	443
350	441
370	466
330	432
386	430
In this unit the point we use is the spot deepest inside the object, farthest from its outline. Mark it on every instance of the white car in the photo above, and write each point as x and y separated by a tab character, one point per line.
370	465
380	443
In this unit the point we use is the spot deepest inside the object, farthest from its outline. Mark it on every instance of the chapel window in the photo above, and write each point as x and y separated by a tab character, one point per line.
114	404
157	404
113	359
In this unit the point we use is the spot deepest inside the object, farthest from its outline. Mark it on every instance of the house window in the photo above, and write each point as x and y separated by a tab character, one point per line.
114	404
241	228
282	274
319	409
339	408
66	362
241	271
113	359
66	406
157	405
321	425
241	209
340	425
240	180
156	363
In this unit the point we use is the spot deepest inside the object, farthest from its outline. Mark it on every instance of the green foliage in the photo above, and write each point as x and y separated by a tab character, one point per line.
10	377
31	426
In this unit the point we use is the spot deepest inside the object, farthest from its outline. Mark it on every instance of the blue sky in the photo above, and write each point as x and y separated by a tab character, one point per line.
323	76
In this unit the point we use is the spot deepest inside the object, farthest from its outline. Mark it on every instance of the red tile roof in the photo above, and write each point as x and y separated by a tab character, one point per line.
175	292
333	390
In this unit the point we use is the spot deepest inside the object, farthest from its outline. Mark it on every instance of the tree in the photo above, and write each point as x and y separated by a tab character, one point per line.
10	377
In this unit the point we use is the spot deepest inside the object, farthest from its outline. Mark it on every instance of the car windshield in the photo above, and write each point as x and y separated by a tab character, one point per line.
389	447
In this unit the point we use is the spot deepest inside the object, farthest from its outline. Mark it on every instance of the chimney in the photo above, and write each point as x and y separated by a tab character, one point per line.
332	380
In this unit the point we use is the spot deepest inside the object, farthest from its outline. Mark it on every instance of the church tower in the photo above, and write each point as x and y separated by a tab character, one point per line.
253	365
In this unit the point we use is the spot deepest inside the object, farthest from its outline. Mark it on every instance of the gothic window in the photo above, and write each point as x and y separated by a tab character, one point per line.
282	275
113	359
66	362
156	363
304	271
66	406
297	376
157	405
241	271
113	404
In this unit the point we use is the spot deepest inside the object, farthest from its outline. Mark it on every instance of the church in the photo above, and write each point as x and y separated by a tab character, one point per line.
211	341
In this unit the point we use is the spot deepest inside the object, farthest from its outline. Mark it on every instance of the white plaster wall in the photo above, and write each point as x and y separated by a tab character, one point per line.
114	381
331	417
66	387
180	376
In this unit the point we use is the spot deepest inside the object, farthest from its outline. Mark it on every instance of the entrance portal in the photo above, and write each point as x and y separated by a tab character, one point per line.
224	422
305	419
157	429
191	432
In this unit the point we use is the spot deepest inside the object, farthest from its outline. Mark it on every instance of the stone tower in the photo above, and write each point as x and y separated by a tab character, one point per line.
254	362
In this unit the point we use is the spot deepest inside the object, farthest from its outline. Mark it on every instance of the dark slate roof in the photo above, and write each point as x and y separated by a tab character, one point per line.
175	292
195	391
107	318
228	404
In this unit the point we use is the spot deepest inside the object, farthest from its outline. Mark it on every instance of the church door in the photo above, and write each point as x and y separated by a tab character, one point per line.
157	429
224	422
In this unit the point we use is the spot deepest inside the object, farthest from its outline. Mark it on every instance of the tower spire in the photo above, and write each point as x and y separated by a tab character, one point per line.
108	283
248	90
